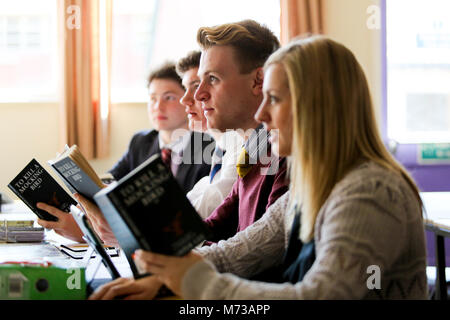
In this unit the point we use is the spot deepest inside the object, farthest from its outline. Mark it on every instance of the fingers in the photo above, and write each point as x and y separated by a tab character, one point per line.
145	289
104	229
48	224
81	208
50	209
91	209
79	197
83	201
153	258
104	232
154	263
118	290
93	220
104	291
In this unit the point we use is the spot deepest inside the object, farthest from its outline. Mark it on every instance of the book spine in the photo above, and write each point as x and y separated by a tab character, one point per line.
134	229
35	210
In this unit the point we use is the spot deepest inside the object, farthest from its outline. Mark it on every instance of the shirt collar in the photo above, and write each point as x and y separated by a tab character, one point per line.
176	146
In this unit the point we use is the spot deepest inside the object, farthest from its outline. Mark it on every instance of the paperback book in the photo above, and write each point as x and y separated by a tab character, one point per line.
76	172
147	209
34	184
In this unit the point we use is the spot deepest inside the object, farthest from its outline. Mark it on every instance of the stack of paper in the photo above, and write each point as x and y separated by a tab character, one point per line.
20	231
77	251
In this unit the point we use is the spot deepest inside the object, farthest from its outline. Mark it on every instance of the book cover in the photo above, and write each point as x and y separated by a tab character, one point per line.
76	173
147	209
34	184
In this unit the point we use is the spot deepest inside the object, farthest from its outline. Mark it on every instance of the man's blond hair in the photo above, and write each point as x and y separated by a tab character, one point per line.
253	42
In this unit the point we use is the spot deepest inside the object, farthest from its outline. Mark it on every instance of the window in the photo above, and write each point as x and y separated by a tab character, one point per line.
132	40
148	33
418	70
28	51
416	95
145	34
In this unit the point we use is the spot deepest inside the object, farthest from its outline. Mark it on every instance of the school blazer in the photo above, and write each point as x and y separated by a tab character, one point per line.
144	144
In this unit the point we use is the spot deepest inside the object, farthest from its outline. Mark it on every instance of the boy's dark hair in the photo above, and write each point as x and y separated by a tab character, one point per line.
253	42
191	60
165	71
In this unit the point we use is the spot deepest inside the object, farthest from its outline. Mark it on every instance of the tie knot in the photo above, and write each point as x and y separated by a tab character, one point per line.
217	163
243	165
166	155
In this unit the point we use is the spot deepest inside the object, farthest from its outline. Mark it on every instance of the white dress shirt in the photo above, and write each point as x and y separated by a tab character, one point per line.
206	196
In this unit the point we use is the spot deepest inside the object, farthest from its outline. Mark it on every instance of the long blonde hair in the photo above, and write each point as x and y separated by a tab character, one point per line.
334	126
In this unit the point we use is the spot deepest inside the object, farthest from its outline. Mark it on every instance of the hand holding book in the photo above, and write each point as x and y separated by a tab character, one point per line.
147	209
98	221
168	269
65	226
145	288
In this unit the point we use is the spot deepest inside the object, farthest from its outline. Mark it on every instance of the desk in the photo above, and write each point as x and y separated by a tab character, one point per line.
437	220
48	250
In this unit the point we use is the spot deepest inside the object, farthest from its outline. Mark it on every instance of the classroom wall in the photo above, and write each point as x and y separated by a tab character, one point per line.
346	22
30	130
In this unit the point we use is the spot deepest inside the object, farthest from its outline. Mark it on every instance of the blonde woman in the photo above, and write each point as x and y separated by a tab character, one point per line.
349	200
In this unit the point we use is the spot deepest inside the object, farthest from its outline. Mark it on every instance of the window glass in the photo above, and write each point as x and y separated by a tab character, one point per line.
28	50
418	70
148	33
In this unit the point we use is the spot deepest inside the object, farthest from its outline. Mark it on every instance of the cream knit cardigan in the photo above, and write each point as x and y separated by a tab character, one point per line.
371	222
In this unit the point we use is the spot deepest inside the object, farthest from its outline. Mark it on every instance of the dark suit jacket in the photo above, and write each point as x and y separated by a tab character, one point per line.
196	157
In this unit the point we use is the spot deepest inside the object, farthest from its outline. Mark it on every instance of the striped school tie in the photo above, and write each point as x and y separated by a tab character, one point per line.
243	165
218	155
166	155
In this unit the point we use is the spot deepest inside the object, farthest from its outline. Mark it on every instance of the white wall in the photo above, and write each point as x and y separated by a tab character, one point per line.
26	131
346	22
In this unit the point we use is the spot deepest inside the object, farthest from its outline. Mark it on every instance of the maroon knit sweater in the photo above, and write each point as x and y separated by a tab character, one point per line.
247	201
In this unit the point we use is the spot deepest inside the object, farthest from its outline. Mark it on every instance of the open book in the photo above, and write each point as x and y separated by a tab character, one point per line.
76	172
147	209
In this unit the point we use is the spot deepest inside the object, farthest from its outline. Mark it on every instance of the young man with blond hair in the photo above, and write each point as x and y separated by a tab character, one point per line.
230	90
